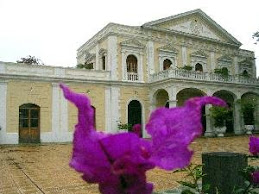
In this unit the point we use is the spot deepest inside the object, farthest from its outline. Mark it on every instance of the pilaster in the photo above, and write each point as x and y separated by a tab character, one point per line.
97	63
112	56
112	109
212	61
184	55
236	65
3	101
150	58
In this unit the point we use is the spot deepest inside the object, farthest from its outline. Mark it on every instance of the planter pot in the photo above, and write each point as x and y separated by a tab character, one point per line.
220	131
249	129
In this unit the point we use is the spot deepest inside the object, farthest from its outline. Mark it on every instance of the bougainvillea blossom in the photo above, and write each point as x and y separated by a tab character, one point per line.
118	162
254	145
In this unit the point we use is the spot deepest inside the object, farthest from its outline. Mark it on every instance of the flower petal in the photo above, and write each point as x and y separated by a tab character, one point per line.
254	145
173	129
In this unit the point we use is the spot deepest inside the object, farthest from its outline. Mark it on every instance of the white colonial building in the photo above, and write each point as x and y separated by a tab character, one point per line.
131	71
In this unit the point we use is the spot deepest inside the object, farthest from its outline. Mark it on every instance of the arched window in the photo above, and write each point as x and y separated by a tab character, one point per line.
198	67
132	64
166	64
103	62
245	73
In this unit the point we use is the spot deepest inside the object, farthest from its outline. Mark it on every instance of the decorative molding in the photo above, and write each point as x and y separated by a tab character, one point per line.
199	53
168	48
132	43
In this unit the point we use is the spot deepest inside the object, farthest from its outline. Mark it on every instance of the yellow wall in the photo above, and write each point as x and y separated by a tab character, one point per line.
23	92
97	96
133	93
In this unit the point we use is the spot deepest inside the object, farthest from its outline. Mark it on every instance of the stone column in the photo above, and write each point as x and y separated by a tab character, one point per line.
172	91
112	56
238	117
3	101
123	66
209	124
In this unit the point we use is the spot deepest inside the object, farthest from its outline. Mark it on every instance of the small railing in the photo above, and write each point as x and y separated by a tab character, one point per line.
132	76
194	75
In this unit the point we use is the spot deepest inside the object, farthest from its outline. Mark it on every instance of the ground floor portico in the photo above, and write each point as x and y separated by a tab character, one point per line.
36	111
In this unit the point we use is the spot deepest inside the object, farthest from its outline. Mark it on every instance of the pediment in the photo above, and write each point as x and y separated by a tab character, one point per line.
199	53
89	56
225	58
246	62
193	23
132	43
168	48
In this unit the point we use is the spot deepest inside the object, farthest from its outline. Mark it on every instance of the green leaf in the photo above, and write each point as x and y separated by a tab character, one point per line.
187	184
187	191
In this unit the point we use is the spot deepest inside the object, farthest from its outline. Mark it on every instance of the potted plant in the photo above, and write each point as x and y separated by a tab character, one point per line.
223	72
124	127
187	67
219	115
248	109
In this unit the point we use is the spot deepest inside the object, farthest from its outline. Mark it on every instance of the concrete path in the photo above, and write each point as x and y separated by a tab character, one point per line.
41	169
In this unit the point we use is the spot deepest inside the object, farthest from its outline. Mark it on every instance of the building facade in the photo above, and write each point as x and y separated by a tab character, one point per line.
130	72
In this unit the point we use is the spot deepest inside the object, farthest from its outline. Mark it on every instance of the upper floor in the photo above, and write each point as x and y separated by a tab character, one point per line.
189	46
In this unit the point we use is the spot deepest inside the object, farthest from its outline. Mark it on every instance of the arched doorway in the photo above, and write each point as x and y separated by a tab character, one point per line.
29	123
249	108
188	93
134	113
161	98
228	97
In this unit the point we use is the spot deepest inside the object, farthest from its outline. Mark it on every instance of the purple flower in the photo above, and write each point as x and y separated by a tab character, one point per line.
137	129
255	177
118	162
254	145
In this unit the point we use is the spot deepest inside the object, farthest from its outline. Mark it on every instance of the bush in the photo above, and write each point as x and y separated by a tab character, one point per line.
219	114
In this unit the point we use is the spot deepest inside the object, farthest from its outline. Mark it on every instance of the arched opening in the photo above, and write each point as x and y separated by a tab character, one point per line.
166	64
228	97
103	62
29	123
198	67
161	98
132	64
245	73
249	108
188	93
134	113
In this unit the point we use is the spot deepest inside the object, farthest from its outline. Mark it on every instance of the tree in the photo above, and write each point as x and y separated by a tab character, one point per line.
31	60
256	36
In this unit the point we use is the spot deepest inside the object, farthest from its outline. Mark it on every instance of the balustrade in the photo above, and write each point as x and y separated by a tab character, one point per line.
194	75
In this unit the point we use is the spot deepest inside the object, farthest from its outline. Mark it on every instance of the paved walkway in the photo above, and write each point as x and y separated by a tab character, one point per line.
44	168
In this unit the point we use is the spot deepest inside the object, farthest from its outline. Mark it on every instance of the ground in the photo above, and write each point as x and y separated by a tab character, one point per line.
44	168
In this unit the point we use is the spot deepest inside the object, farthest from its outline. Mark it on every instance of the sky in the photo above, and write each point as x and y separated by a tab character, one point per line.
52	30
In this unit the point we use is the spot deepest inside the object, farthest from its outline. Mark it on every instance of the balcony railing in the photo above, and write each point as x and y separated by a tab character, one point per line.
194	75
132	76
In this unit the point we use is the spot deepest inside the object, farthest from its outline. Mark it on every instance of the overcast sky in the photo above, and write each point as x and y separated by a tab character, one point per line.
53	30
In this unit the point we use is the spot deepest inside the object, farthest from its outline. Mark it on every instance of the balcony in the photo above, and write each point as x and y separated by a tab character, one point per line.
132	76
201	76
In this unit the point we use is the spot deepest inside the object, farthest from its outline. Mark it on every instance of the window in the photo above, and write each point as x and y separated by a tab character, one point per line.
132	64
103	62
166	64
198	67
